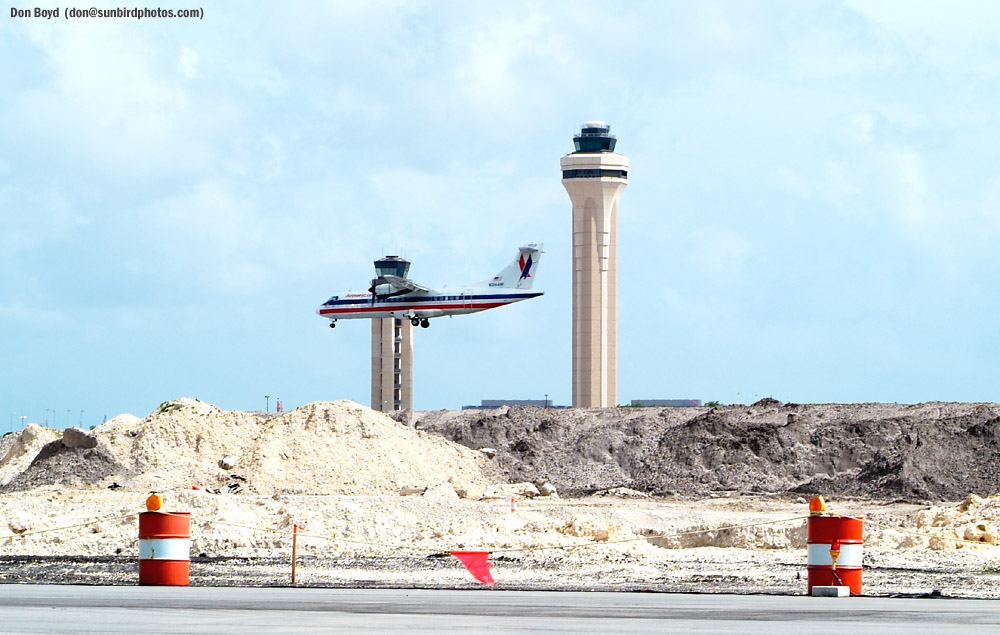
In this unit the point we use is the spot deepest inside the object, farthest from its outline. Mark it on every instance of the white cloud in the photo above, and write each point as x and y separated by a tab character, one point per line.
961	21
860	128
17	315
721	253
503	59
957	36
188	62
837	182
913	203
989	206
207	240
108	104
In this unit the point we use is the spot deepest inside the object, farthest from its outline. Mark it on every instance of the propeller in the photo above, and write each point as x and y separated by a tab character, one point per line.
382	281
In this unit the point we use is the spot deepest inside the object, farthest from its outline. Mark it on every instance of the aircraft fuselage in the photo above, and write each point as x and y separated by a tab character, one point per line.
360	304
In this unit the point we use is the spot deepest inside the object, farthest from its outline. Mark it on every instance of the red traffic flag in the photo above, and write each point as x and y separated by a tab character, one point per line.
477	563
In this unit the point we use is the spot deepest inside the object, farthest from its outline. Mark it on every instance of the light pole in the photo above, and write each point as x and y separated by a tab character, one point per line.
67	417
546	400
22	421
47	417
267	403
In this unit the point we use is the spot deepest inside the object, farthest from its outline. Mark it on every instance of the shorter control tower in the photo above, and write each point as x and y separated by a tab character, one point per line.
392	350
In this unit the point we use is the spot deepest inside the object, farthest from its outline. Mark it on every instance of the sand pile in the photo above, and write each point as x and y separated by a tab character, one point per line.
350	449
974	522
340	448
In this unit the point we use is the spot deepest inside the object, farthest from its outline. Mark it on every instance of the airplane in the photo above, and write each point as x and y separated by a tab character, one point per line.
392	294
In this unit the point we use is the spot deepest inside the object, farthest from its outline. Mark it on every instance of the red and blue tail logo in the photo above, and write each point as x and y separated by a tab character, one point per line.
525	266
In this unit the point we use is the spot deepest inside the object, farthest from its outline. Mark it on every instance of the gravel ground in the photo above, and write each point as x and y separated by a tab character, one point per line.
690	571
654	545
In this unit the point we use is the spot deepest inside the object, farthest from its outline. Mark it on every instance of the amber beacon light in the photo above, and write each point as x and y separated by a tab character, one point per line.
155	502
816	506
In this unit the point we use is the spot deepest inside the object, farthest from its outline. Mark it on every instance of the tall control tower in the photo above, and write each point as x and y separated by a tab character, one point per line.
595	177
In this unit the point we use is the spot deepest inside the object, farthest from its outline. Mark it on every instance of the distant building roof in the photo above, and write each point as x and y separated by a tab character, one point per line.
486	404
671	403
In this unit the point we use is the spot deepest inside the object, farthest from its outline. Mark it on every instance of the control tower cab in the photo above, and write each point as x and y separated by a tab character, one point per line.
392	266
390	270
595	136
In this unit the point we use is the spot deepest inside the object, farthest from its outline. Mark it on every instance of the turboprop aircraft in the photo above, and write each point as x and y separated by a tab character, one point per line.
392	294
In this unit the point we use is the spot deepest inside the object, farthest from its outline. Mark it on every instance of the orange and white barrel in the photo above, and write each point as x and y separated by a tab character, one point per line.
834	533
164	548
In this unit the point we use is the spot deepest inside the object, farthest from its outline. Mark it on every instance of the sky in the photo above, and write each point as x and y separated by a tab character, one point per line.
812	212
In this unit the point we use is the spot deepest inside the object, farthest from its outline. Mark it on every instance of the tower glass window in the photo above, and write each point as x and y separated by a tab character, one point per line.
595	136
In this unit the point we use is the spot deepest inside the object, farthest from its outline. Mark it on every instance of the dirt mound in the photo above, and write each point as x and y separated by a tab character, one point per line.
321	448
18	449
933	451
579	450
57	463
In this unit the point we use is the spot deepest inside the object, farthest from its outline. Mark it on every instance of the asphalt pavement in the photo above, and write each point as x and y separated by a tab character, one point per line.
26	609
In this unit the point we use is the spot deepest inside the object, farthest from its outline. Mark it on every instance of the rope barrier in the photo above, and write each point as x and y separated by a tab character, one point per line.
219	522
693	532
602	543
303	533
51	529
681	534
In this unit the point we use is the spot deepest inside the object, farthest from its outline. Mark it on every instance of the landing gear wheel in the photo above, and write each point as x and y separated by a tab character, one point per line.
333	325
415	321
424	323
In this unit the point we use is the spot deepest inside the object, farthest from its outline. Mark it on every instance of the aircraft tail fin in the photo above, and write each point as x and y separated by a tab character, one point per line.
519	274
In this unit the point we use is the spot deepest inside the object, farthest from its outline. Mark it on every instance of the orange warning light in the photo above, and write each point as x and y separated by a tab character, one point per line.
834	553
816	506
154	502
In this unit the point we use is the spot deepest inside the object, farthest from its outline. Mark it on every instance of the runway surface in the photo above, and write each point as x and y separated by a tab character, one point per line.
107	609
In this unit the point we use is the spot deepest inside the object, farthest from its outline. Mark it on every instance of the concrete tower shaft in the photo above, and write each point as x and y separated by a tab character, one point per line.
392	364
595	177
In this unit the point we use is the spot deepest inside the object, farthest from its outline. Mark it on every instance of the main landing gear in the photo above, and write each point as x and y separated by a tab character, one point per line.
424	323
333	325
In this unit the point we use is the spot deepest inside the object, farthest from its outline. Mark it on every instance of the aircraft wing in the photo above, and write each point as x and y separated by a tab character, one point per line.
403	284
